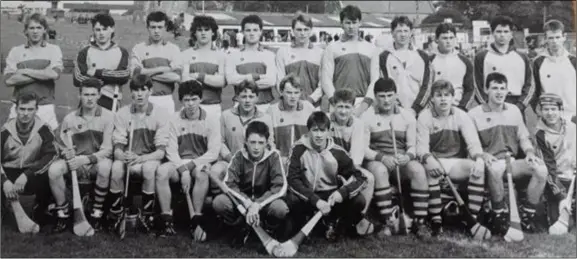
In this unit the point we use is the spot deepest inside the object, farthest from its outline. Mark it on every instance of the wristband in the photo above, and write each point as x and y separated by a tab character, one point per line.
425	157
93	159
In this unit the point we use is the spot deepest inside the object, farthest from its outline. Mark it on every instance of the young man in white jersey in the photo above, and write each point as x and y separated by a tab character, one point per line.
203	62
158	59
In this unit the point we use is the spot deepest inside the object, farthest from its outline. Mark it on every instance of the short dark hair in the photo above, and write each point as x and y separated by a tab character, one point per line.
445	28
190	87
140	82
26	97
351	12
157	16
303	18
319	119
385	85
253	18
503	21
441	85
105	20
91	83
553	25
246	85
344	95
257	127
398	20
495	77
292	79
203	21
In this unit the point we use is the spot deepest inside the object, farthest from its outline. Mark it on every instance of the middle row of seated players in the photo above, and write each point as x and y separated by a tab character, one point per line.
315	146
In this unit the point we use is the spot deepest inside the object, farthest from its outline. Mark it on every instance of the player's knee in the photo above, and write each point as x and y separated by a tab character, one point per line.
494	172
149	169
222	204
416	172
57	169
163	172
540	172
104	168
278	209
117	171
201	178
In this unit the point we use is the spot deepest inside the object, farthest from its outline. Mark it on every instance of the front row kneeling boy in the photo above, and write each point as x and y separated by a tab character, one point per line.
317	167
256	173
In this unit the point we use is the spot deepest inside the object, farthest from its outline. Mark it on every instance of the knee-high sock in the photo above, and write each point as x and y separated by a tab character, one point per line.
382	198
99	197
476	193
147	203
435	205
420	202
117	203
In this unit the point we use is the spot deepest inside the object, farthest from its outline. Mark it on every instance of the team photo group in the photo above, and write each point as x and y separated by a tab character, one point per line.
346	140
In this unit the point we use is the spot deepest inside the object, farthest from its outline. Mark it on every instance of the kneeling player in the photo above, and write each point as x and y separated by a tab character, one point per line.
256	174
193	144
149	139
556	142
381	159
317	167
441	130
501	130
350	133
90	128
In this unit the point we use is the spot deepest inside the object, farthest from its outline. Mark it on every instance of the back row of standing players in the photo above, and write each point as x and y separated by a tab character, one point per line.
370	91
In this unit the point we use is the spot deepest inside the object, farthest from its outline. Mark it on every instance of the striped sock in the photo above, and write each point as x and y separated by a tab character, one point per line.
382	198
435	205
420	202
476	193
62	210
116	197
99	197
147	202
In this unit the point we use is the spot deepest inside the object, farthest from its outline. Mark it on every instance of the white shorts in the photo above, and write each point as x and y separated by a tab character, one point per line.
213	110
164	102
449	163
45	112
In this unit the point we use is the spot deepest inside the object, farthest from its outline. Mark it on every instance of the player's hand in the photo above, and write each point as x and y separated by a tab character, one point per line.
433	167
138	160
489	159
91	71
9	190
185	181
335	197
389	161
324	207
77	162
249	78
403	159
68	153
478	169
20	183
129	156
532	159
252	214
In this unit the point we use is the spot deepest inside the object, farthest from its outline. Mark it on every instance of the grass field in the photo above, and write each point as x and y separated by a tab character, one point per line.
105	245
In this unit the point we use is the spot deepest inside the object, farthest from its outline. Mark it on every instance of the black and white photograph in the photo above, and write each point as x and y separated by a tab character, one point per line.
331	129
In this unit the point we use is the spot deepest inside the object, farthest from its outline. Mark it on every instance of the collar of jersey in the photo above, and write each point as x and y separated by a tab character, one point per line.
487	108
201	115
542	126
260	47
149	42
310	46
282	106
436	115
112	45
97	113
148	109
257	113
396	110
212	46
494	49
42	44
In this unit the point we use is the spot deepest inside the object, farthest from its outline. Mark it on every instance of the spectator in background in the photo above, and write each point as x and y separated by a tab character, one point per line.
336	37
239	39
369	38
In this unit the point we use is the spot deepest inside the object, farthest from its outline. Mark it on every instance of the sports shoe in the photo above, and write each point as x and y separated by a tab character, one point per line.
166	226
146	222
436	228
420	229
62	219
331	234
499	222
528	220
95	220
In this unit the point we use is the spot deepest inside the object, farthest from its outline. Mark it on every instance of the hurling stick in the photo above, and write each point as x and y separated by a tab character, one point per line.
402	223
24	223
515	232
290	247
561	226
115	99
268	242
122	227
81	225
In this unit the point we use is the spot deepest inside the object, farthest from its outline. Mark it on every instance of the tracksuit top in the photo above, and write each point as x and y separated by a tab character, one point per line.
515	65
90	137
501	132
350	64
311	171
232	129
241	64
150	130
261	181
289	126
352	137
208	64
380	138
458	70
557	75
34	156
558	148
305	62
193	138
454	136
149	55
25	56
111	66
